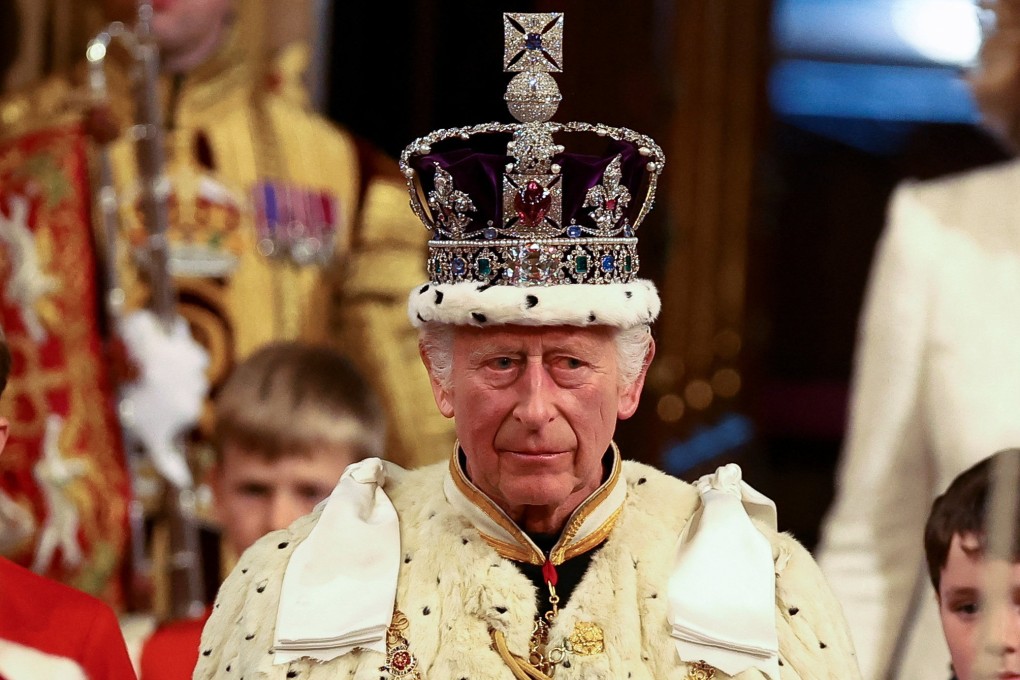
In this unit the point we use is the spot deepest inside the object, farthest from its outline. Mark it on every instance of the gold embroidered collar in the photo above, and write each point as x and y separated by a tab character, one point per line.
586	528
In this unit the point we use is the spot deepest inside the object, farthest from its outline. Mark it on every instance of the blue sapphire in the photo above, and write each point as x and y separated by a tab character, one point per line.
573	231
459	266
608	263
628	231
533	41
489	233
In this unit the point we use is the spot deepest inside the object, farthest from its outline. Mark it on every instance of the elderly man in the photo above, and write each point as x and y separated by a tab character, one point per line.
535	550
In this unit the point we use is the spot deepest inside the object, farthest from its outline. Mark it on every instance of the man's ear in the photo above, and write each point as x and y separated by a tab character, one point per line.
4	430
630	395
442	394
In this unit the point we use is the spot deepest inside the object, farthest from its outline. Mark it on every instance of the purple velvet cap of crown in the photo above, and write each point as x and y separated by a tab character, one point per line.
479	174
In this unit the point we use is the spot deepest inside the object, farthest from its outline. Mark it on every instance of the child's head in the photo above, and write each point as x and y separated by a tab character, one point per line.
957	551
288	420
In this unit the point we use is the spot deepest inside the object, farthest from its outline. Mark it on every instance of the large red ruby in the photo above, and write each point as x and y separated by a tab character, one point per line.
532	204
611	204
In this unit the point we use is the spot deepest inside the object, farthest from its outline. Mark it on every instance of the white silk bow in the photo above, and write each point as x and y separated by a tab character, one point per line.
340	585
722	590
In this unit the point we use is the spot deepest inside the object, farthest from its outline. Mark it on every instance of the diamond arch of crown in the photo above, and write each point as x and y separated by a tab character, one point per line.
422	146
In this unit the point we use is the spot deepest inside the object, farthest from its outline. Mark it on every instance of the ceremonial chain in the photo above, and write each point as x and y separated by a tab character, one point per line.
541	662
539	655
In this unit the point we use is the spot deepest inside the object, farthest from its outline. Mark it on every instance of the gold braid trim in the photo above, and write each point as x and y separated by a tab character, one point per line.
521	669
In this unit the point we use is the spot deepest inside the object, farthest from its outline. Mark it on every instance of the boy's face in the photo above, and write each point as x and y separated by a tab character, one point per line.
254	495
960	599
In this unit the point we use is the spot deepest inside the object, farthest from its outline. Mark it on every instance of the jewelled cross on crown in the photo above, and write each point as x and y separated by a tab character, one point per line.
532	183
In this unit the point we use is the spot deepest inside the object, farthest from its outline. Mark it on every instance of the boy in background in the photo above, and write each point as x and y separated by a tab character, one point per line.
288	421
957	550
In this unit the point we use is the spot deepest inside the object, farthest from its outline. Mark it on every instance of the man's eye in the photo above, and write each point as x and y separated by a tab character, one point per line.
502	363
570	363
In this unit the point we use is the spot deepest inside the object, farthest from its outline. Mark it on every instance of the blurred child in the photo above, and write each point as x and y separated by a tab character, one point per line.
288	421
956	548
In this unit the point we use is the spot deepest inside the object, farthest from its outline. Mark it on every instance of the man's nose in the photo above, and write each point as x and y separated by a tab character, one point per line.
535	405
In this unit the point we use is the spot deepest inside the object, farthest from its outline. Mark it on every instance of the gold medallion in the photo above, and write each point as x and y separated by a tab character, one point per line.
587	639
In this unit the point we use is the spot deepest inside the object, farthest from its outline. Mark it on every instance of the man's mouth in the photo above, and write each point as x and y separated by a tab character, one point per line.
535	454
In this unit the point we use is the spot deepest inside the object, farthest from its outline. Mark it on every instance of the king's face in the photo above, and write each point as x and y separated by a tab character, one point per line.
535	411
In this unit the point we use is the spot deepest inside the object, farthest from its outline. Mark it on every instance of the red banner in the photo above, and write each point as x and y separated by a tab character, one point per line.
64	485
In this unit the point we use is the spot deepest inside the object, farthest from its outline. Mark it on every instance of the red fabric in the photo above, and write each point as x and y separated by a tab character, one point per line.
171	653
63	372
59	620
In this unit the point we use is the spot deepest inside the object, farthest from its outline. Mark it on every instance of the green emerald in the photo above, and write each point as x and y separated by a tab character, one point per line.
581	264
627	264
484	266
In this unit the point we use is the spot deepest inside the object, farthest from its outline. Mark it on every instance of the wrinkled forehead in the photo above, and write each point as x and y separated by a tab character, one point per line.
534	339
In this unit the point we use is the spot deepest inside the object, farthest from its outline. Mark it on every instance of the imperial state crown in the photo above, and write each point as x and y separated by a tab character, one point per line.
511	209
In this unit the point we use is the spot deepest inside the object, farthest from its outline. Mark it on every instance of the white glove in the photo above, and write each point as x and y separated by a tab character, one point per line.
168	396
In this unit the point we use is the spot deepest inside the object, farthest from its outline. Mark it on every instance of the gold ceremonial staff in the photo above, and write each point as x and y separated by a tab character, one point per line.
147	132
187	591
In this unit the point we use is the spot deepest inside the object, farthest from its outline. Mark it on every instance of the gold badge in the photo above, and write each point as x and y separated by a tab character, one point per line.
699	670
400	661
587	639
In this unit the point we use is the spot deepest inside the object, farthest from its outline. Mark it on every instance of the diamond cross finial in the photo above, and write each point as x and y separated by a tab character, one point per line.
533	42
533	48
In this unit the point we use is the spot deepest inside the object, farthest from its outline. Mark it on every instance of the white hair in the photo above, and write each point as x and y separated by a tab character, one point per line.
436	341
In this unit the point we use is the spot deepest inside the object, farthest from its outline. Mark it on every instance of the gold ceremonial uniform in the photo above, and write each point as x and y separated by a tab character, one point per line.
247	161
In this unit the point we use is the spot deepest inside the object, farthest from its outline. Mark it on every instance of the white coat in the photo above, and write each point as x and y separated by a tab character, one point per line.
936	388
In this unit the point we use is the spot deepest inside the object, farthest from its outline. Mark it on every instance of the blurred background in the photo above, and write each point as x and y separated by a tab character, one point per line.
786	125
